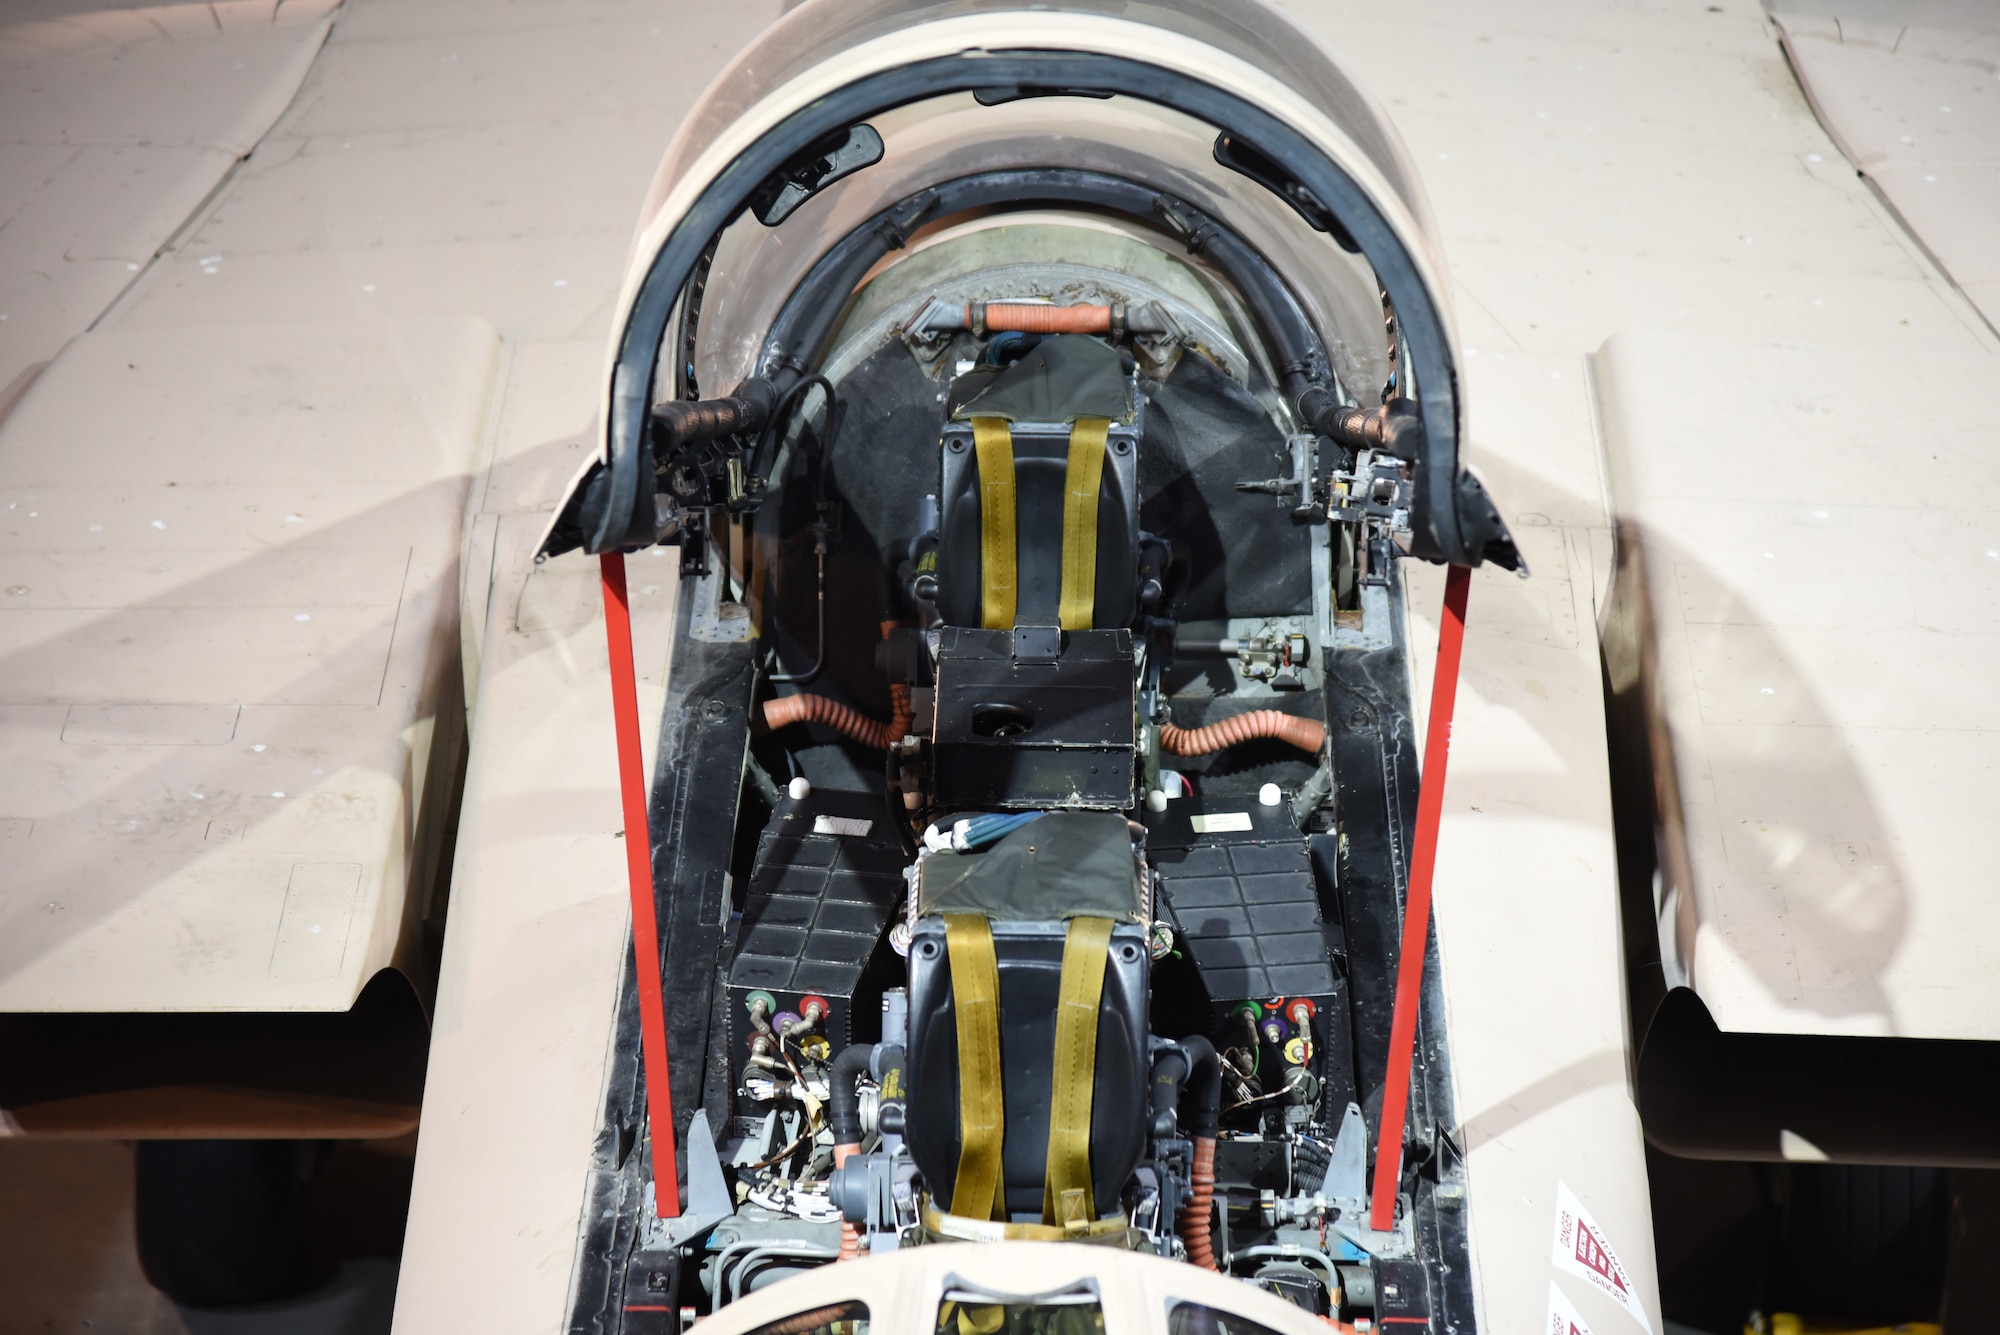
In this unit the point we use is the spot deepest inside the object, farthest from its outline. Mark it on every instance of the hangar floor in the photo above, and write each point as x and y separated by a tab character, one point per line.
166	166
67	1263
66	1259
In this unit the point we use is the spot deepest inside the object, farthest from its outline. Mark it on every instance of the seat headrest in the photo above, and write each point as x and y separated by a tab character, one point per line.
1059	380
1065	864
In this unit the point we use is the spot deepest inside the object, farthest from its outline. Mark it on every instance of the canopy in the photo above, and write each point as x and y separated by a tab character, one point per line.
1134	92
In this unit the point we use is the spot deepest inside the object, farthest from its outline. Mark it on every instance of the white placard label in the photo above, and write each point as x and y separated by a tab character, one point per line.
1563	1318
842	825
1582	1249
1222	822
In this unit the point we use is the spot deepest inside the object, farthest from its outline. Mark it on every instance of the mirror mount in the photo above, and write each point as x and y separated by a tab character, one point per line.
819	165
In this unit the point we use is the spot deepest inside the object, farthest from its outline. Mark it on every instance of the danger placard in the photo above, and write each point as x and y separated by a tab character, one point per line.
1563	1318
1582	1249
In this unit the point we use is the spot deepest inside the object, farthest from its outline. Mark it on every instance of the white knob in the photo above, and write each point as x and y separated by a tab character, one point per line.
800	788
1156	800
1270	795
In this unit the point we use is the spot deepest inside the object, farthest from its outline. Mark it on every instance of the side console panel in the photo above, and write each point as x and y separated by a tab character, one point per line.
827	877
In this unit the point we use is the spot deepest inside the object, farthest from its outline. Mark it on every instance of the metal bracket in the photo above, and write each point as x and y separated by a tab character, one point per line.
708	1202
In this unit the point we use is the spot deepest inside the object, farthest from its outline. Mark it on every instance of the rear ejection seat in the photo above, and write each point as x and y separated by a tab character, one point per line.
1032	1027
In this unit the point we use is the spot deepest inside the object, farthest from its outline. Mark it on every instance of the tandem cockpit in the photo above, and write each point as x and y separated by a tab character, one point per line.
1037	406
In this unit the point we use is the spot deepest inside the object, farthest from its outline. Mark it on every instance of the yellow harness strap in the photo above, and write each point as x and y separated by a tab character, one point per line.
1114	1230
957	1318
975	996
993	445
1068	1199
1081	483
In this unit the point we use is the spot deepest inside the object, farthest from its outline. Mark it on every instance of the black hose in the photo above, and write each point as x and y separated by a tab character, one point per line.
843	1099
1275	312
1311	402
1319	411
1170	1069
1385	428
1204	1088
1187	1088
889	1071
681	422
780	417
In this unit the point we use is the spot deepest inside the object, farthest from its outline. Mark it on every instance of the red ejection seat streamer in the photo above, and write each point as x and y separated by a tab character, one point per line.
1417	903
639	869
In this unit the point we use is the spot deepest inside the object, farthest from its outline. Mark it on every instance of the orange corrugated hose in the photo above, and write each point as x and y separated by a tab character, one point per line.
816	1319
1305	733
808	708
1035	319
1197	1215
899	699
805	707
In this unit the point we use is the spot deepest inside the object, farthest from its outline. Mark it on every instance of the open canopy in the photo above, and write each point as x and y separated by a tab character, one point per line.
848	126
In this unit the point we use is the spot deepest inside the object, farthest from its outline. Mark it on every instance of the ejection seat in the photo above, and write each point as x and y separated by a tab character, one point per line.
1029	976
1029	962
1039	495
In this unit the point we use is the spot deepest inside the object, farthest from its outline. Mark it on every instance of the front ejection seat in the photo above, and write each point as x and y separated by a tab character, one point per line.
1039	496
1028	989
1038	555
